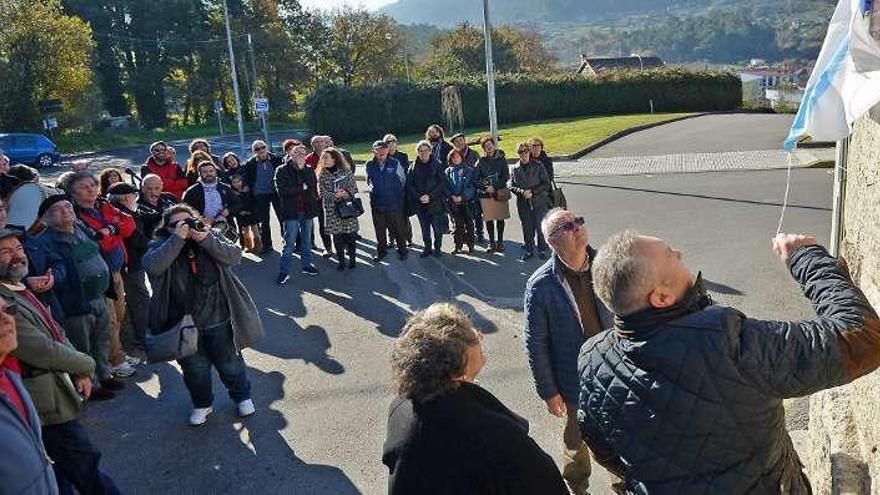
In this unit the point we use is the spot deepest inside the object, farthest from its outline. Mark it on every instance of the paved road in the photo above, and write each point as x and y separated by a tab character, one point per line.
707	134
320	377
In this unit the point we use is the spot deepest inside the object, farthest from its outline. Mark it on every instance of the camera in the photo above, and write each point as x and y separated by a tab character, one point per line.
195	223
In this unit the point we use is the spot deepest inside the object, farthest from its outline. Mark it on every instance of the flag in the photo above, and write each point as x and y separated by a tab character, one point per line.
845	83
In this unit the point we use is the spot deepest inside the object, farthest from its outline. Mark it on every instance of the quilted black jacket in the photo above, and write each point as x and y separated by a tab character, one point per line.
694	405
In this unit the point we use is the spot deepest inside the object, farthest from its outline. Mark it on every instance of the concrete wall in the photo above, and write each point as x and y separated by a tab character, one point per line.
844	446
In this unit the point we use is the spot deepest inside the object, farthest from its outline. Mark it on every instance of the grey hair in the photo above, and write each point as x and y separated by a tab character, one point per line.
622	276
547	223
423	142
150	177
258	142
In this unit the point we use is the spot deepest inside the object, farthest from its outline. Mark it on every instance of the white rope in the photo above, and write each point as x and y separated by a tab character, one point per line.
787	190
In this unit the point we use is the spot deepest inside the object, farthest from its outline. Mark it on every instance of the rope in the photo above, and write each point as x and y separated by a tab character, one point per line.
787	190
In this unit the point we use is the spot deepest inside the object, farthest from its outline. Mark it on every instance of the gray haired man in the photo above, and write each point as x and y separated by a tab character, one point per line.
561	313
685	396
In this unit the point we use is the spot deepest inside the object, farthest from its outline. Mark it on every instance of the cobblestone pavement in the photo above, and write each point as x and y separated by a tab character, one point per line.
691	162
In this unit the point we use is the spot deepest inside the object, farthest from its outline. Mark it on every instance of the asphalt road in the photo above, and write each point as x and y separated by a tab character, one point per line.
320	377
706	134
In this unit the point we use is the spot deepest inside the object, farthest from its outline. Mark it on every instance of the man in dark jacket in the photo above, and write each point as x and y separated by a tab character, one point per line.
426	190
297	187
213	199
56	376
684	396
561	313
259	173
387	178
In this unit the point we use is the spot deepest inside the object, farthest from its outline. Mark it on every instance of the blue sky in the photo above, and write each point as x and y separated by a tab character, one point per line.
330	4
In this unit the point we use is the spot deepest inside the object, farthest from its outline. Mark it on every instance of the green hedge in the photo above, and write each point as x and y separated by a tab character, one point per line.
368	112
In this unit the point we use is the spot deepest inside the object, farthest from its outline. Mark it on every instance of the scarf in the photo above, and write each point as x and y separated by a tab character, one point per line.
695	299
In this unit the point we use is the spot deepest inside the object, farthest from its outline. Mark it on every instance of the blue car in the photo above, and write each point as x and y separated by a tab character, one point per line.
30	149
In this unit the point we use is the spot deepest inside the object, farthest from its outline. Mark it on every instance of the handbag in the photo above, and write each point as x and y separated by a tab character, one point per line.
502	194
179	341
557	197
350	208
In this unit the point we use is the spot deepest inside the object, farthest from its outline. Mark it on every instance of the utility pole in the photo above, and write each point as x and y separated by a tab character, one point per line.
490	72
263	121
234	81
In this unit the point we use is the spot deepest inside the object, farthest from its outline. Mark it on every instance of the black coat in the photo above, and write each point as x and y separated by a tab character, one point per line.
296	202
492	172
250	168
195	197
466	442
426	178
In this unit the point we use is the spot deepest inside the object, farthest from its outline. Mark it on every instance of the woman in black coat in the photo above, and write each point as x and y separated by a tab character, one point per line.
426	189
447	435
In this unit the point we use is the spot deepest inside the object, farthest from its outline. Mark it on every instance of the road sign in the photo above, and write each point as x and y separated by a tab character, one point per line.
50	106
261	105
50	124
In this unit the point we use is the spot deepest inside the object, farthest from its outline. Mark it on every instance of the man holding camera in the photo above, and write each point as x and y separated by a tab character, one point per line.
190	269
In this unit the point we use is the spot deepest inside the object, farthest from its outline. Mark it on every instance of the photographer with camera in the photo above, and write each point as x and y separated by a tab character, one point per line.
190	269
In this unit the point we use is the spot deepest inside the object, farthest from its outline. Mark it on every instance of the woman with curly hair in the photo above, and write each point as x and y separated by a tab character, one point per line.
192	165
107	178
445	433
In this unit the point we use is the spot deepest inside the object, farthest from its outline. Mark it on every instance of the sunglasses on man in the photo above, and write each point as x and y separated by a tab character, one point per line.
259	148
570	226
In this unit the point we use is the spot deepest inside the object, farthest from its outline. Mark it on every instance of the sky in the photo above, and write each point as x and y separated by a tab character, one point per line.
330	4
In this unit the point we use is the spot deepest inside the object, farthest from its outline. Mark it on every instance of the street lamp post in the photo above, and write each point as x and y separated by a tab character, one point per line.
490	72
641	64
234	80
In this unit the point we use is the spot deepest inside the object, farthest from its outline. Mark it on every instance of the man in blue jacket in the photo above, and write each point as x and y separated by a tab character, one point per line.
561	313
685	396
387	178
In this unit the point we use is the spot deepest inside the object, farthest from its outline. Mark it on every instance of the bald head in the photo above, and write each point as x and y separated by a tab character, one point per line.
564	231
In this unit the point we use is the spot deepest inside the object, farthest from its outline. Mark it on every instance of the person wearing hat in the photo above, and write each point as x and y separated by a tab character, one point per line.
81	277
137	297
161	164
387	179
55	375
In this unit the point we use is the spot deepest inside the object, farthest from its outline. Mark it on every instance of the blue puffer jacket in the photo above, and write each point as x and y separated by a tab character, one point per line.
388	182
692	402
553	334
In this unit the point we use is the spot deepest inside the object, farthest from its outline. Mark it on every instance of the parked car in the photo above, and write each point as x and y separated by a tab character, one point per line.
30	149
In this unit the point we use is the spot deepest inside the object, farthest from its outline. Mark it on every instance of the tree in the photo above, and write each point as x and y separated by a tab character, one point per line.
43	54
363	48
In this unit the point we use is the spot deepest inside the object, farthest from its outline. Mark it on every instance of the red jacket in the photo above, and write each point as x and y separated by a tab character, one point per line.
173	179
121	225
312	160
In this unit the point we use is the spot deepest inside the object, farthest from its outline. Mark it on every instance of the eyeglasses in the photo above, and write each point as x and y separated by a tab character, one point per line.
10	309
259	148
570	226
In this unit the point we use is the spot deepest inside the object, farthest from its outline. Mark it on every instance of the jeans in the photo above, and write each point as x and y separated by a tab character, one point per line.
90	334
384	221
76	460
217	349
576	467
430	220
297	229
137	299
531	225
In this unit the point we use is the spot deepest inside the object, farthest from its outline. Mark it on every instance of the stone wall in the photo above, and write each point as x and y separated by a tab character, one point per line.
844	447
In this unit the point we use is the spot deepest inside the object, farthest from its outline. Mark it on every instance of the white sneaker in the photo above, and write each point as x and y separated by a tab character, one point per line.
124	370
133	360
246	408
200	415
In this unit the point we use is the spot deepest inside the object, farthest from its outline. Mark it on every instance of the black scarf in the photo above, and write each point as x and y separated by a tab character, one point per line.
695	299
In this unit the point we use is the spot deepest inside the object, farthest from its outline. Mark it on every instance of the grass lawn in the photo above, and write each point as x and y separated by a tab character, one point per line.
561	136
85	141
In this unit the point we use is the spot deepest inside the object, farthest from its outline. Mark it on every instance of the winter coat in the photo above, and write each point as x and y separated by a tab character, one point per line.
531	176
173	179
26	468
47	364
388	182
492	172
690	399
427	179
554	333
247	328
470	157
547	162
329	183
466	442
195	197
55	249
440	151
460	182
250	168
296	202
104	215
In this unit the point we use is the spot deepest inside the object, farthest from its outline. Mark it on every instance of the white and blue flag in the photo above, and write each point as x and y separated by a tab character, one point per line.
845	83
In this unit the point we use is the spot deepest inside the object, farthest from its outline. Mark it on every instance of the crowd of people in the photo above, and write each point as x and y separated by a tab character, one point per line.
666	390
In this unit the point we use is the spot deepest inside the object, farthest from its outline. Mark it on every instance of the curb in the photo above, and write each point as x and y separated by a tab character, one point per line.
820	164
